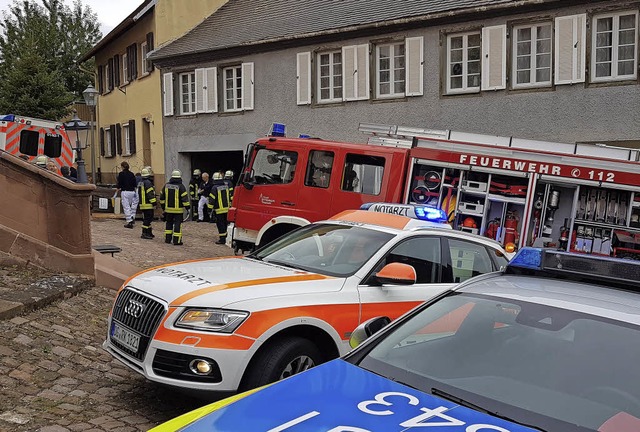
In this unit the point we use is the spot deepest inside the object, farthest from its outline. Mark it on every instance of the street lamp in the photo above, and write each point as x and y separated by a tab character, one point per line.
77	125
91	99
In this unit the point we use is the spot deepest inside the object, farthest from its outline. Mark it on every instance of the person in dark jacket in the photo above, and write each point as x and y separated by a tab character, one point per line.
174	198
203	191
66	173
127	188
147	195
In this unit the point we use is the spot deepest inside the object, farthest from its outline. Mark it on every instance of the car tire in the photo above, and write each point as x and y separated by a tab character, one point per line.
281	359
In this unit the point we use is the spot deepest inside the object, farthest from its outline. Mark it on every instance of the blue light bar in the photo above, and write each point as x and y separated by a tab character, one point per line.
530	258
8	117
304	136
424	213
278	130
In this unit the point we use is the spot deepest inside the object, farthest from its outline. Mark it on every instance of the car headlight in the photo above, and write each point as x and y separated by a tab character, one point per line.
213	320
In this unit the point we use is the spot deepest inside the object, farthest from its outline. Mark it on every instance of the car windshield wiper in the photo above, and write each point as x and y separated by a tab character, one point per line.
456	399
287	264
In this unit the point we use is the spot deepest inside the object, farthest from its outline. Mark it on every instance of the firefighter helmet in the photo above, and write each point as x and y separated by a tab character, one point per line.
228	174
217	175
176	174
469	222
196	172
145	172
42	161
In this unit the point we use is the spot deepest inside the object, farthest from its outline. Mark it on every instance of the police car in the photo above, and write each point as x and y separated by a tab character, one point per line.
220	325
550	344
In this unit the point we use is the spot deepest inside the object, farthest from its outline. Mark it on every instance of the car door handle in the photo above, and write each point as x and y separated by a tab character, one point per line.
288	203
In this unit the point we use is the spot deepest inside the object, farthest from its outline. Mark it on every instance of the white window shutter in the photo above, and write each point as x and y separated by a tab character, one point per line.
247	86
570	49
303	76
414	49
362	72
200	91
167	93
355	72
211	90
494	57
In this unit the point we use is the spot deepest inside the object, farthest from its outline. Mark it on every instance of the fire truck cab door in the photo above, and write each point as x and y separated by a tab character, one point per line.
276	179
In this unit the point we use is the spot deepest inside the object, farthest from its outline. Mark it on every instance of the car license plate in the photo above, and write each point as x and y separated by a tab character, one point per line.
125	337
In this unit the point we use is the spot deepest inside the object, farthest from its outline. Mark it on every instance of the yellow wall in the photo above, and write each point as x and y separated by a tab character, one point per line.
169	20
176	17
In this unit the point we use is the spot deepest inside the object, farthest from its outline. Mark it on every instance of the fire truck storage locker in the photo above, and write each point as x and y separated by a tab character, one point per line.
588	202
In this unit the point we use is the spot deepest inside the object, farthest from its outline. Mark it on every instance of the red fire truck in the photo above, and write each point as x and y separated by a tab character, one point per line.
33	137
580	197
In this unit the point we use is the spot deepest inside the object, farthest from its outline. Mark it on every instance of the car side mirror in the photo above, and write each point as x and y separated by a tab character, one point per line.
367	329
397	274
247	180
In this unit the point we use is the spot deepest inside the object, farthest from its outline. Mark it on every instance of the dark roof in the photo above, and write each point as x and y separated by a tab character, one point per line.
242	23
121	28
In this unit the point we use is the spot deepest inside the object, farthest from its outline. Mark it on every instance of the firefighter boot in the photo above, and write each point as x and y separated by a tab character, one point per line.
145	234
167	238
221	241
150	232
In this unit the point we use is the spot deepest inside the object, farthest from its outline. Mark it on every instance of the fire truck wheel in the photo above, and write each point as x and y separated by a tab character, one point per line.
281	359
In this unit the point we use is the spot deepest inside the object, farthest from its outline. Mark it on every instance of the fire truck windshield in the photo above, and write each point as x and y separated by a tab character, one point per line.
329	249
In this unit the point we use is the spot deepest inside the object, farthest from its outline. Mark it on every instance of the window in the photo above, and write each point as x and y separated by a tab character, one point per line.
614	45
108	78
29	142
463	63
188	93
468	260
319	169
144	49
532	56
132	62
52	145
422	253
330	76
125	69
363	174
232	88
274	166
126	138
390	60
108	143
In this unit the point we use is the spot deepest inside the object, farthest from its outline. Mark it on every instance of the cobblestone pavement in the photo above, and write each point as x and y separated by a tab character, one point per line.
199	242
54	375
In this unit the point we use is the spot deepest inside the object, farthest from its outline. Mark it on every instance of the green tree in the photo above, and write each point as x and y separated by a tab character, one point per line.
44	38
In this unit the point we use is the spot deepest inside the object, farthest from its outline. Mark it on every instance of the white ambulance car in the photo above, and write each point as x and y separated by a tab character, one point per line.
224	324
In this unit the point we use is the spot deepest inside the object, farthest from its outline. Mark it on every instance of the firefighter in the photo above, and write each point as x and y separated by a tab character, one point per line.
194	186
147	196
174	198
228	180
219	199
42	161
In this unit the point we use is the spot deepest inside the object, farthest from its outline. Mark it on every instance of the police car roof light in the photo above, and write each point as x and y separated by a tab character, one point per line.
413	211
8	117
598	269
278	130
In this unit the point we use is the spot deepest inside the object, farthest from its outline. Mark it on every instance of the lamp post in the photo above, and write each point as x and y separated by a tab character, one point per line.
77	125
91	99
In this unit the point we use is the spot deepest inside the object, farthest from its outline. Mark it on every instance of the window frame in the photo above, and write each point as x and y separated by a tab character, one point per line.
126	140
236	88
28	142
332	76
192	92
614	47
125	69
107	142
533	56
465	75
144	50
392	70
107	90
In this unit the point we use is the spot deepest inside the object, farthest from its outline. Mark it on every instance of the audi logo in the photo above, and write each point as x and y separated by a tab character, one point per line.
134	308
